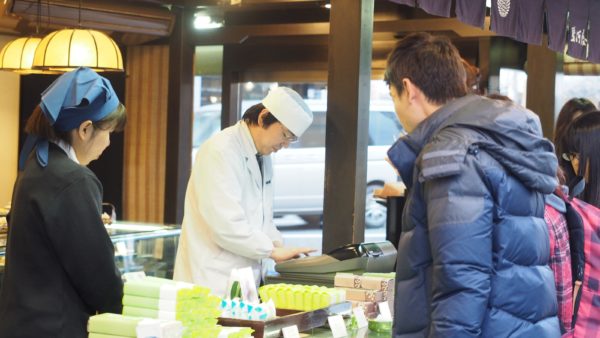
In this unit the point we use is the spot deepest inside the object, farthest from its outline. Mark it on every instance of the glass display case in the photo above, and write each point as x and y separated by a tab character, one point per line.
145	247
138	247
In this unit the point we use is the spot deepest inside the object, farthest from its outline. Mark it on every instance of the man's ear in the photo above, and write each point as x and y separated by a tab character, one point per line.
261	116
85	130
411	89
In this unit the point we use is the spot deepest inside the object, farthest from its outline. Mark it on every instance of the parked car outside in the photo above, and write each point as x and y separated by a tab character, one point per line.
299	170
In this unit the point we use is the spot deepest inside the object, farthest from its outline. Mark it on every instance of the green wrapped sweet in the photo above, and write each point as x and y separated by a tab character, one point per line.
301	297
381	326
113	324
100	335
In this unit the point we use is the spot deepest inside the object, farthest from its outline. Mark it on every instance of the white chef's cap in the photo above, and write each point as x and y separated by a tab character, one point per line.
289	108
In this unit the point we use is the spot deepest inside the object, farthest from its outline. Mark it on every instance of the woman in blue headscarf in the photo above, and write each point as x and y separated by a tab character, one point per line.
59	258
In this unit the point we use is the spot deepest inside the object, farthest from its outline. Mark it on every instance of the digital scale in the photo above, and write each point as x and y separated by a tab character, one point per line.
321	270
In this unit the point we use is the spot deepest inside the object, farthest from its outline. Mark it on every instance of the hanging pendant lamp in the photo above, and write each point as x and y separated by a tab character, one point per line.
17	55
68	49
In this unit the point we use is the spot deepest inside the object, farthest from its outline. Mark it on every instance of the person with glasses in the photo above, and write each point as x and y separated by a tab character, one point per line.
569	111
228	213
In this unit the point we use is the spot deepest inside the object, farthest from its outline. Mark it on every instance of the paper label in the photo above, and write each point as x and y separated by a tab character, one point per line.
337	325
290	332
359	315
384	310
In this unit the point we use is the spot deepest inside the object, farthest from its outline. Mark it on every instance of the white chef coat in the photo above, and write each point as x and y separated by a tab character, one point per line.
228	215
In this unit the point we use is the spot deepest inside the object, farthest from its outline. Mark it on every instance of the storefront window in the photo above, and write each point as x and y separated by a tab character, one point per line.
570	86
513	83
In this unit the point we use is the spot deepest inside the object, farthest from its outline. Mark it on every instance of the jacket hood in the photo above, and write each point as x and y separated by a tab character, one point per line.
510	133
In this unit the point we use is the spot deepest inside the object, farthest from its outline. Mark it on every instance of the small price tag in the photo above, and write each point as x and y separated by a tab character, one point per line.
384	310
361	320
337	325
290	332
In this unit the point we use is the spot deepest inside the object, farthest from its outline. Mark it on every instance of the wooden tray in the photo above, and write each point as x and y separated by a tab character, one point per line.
303	320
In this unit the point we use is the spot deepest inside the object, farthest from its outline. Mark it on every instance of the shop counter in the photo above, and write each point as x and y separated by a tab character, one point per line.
323	332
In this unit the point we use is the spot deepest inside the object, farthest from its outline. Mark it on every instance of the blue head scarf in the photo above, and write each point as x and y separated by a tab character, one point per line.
73	98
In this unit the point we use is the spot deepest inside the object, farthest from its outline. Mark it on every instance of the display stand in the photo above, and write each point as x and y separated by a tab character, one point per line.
303	320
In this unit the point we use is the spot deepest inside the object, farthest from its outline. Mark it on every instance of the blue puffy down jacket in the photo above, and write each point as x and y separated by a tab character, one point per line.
474	248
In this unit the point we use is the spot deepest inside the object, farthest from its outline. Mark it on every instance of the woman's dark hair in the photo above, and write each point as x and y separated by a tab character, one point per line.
583	138
116	120
568	112
37	124
432	63
251	116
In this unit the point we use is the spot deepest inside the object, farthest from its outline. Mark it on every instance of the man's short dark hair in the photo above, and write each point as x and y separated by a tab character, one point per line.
251	116
430	62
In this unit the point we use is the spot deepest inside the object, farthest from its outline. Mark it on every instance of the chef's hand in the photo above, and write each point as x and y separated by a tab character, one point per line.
281	254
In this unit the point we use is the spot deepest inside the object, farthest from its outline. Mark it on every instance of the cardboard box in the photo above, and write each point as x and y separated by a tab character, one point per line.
368	307
348	280
363	295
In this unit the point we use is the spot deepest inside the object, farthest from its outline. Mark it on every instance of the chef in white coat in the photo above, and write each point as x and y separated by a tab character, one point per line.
228	215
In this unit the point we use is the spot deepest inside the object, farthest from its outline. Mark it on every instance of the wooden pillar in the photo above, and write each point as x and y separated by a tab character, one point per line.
180	116
350	45
484	63
230	95
541	77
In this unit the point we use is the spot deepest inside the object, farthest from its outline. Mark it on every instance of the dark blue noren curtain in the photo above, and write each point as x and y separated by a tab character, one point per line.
406	2
471	12
594	52
436	7
504	18
578	34
556	15
521	20
531	21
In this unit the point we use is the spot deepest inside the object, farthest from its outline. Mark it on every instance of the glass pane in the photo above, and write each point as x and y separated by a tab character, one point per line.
570	86
513	83
207	109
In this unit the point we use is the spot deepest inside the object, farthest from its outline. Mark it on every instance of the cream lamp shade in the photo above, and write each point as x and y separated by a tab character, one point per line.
17	55
68	49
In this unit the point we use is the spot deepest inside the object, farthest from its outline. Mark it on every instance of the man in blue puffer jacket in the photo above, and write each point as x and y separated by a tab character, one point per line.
474	249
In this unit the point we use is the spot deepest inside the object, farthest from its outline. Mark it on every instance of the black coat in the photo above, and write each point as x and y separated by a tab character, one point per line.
60	265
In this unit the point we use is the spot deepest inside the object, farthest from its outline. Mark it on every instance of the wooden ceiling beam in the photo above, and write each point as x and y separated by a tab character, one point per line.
382	29
239	34
461	29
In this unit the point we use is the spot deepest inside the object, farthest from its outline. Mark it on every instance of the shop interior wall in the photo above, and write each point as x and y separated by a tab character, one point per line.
9	129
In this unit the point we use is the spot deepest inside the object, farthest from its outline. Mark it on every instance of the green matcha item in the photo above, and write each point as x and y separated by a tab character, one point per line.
113	324
100	335
380	326
301	297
